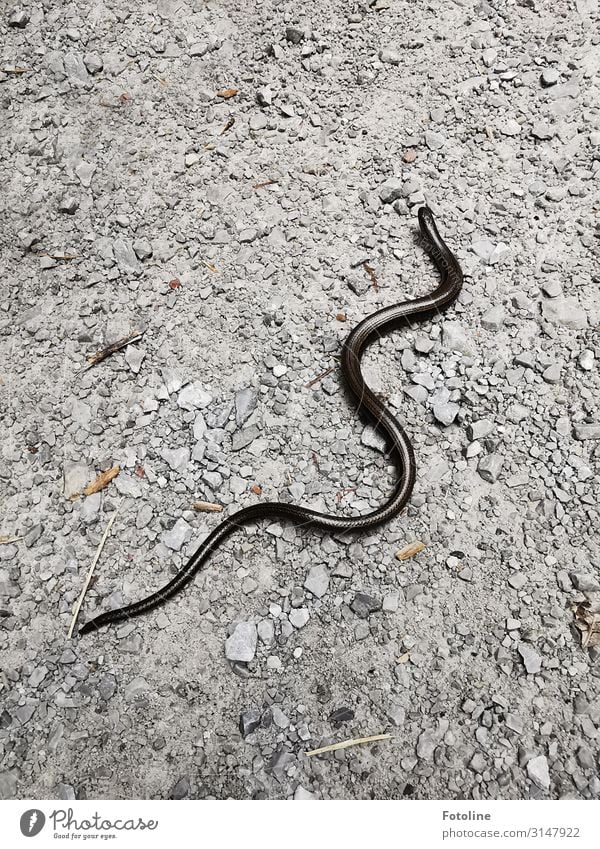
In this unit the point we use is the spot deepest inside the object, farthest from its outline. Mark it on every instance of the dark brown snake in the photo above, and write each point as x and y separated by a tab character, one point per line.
369	329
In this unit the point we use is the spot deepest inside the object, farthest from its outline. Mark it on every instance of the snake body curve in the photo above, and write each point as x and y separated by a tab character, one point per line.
366	332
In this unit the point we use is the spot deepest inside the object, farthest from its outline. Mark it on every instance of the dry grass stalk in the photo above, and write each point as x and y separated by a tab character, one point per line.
91	572
7	540
346	744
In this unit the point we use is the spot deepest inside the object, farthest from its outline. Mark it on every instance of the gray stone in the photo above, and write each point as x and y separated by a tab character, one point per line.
489	252
134	357
390	56
249	721
391	190
266	632
301	794
542	131
125	256
294	35
107	687
37	676
66	791
445	412
84	172
317	580
177	458
243	438
362	631
24	713
264	96
136	688
180	789
489	467
364	604
455	338
585	360
584	581
299	617
552	374
179	534
8	784
493	319
245	404
93	62
531	659
373	439
76	477
280	719
480	429
142	249
397	715
550	76
240	647
565	311
69	205
75	68
18	19
586	431
517	580
429	740
391	602
194	397
433	140
538	772
510	127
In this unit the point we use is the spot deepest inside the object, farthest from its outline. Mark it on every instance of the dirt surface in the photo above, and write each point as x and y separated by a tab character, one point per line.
231	181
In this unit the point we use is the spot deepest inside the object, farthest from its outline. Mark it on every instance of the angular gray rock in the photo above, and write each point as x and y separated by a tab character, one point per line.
317	580
531	659
194	397
565	311
455	338
245	404
538	772
364	604
391	190
489	467
179	534
249	721
240	647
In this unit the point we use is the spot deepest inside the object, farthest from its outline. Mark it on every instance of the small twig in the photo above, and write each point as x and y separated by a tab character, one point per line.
207	507
346	744
91	571
8	540
102	481
371	272
227	126
319	377
65	257
344	492
112	349
265	184
410	550
211	267
11	69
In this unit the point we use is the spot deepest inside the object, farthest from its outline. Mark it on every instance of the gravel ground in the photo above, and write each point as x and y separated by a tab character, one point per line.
232	180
